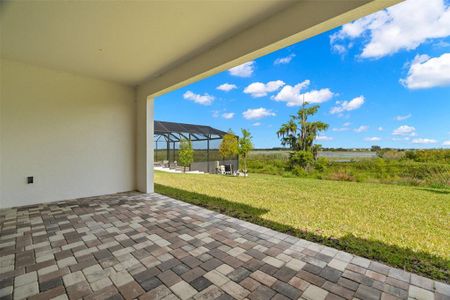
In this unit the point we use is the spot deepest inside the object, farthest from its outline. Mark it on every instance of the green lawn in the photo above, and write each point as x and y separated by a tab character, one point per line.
406	227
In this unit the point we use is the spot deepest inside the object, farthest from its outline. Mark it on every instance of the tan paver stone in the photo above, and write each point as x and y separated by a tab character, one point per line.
6	291
235	290
263	278
183	290
216	278
224	269
25	279
68	261
273	261
295	264
420	293
157	293
121	278
314	293
26	290
73	278
101	284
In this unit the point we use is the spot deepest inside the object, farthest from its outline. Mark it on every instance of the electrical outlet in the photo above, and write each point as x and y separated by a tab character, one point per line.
30	179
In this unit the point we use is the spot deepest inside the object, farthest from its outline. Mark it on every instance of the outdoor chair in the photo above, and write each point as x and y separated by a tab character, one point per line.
228	169
220	169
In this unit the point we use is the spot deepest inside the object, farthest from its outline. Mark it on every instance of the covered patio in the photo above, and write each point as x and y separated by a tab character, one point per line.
78	83
79	80
148	246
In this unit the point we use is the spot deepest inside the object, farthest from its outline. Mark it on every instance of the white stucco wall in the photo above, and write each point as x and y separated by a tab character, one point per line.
74	134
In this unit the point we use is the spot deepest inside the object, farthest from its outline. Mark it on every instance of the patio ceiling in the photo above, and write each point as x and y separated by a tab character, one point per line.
162	43
118	40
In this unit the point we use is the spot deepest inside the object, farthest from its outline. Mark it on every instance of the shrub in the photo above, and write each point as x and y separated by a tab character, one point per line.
301	158
435	155
321	164
341	175
393	155
185	154
299	171
394	171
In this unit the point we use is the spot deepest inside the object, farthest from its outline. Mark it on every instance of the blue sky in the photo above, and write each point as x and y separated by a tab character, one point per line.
381	80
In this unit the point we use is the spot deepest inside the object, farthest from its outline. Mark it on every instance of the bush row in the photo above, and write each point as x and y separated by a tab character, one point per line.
402	171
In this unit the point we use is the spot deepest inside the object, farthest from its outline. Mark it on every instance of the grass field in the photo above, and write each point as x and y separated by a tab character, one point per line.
403	226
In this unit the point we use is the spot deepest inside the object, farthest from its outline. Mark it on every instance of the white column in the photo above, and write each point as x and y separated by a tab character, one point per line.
144	143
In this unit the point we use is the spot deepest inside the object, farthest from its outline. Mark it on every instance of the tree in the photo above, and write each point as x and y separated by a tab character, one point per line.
299	133
229	145
245	146
375	148
186	153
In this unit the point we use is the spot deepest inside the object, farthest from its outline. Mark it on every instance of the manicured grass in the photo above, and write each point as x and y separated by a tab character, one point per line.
406	227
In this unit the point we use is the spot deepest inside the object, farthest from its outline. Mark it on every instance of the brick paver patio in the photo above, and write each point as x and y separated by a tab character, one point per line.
132	245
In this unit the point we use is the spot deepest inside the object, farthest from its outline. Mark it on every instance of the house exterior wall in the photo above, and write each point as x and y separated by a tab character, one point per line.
75	135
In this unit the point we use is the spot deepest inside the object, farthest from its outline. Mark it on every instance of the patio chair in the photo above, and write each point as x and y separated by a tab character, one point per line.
228	169
220	169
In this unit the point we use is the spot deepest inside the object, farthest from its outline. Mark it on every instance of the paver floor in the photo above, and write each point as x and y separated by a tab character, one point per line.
147	246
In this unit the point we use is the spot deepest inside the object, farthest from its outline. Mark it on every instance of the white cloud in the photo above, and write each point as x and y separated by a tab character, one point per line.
339	129
226	87
342	106
204	99
361	128
215	114
343	128
426	72
405	130
423	141
256	124
402	117
446	143
373	139
259	89
324	138
401	139
284	60
441	44
403	26
380	128
293	97
228	115
244	70
257	113
339	49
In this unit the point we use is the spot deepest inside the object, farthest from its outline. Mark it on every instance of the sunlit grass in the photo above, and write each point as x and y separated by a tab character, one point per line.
407	227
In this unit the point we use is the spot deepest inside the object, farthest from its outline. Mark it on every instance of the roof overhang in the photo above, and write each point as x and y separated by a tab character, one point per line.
162	45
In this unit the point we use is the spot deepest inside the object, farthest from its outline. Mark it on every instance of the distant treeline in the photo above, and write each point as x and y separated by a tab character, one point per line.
373	148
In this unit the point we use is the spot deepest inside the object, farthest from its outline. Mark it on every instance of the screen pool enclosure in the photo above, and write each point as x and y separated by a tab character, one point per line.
205	142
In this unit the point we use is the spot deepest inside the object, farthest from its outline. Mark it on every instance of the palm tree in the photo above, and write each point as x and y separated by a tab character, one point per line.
288	133
299	133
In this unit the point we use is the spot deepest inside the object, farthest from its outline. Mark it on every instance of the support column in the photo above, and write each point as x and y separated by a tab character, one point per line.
173	149
144	143
168	150
207	153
